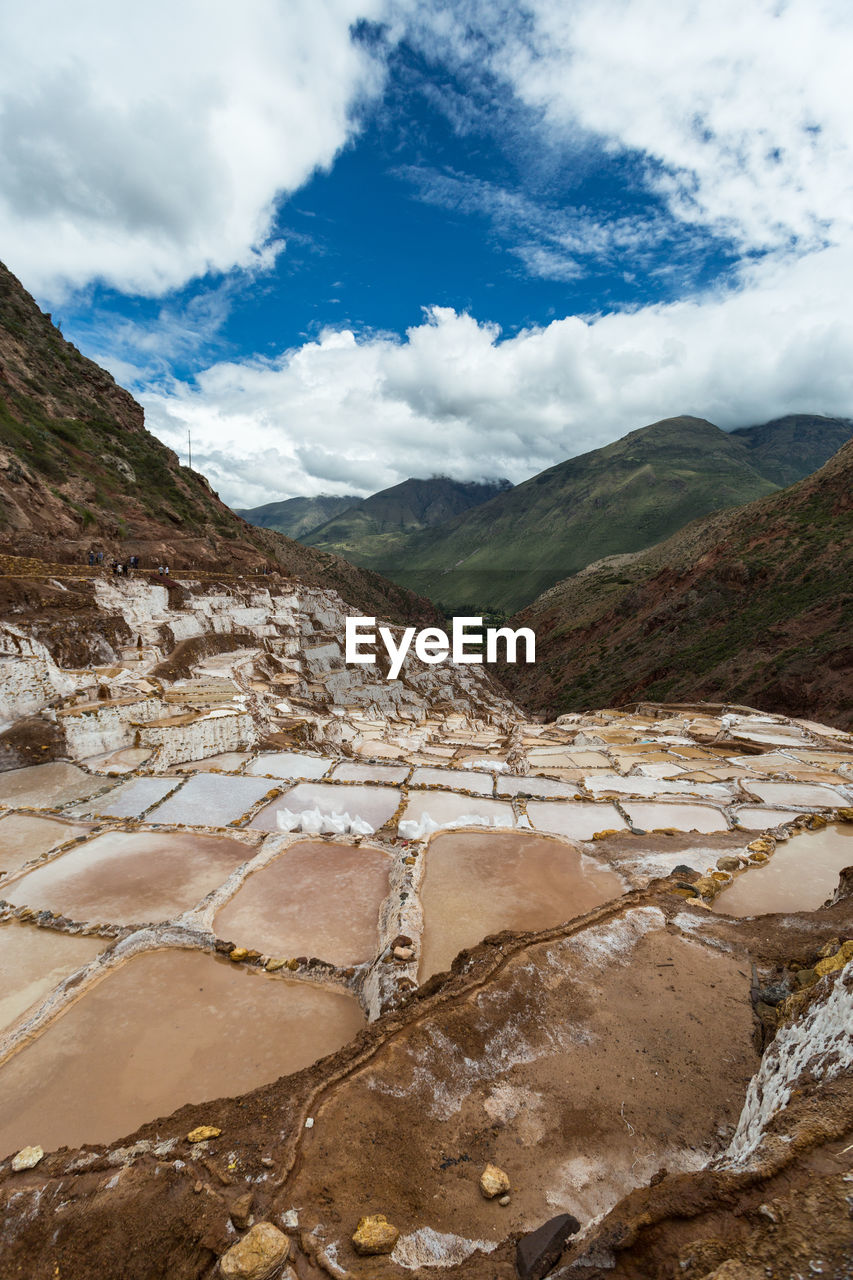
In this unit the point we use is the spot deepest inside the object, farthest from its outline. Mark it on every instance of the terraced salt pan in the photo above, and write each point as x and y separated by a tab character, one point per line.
317	898
533	786
577	821
374	805
678	817
464	779
289	765
614	783
47	786
479	884
800	876
128	800
33	961
164	1029
797	793
24	837
391	774
445	808
211	800
757	817
127	877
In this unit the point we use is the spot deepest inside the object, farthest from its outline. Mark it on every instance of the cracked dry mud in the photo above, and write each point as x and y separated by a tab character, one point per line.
192	908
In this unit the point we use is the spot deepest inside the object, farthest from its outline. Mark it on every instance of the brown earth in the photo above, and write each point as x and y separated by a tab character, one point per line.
79	472
543	1054
751	605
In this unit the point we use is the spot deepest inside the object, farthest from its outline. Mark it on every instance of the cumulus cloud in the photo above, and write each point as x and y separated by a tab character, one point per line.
346	412
148	145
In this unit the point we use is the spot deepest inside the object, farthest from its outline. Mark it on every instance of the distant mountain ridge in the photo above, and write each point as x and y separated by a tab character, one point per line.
620	498
752	605
790	448
296	517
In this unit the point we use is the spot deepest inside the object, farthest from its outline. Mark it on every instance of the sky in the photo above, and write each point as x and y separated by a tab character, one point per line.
344	242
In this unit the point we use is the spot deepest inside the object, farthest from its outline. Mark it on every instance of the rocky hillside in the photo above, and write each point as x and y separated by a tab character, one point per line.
753	605
375	531
79	471
621	498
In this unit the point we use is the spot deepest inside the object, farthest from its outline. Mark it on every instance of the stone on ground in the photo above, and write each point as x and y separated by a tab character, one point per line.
257	1255
27	1158
493	1182
374	1234
539	1251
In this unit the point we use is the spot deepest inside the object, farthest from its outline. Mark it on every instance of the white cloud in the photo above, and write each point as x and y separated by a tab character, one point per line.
742	108
454	397
147	145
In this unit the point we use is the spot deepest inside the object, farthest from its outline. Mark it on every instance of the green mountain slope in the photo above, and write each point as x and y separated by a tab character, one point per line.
751	605
787	449
370	533
296	517
79	471
621	498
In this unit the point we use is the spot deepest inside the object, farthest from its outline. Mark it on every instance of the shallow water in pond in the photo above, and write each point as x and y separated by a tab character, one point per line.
577	821
800	876
677	817
479	884
289	764
211	800
316	899
130	877
165	1028
33	961
813	795
464	779
47	786
24	837
128	799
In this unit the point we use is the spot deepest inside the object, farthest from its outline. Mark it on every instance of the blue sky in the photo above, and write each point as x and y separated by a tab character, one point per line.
348	242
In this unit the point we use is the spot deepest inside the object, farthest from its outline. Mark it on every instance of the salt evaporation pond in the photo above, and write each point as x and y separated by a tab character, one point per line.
33	961
675	817
130	877
444	807
289	764
24	837
211	800
47	786
809	795
316	899
392	774
800	876
128	800
577	821
374	804
476	884
166	1028
464	779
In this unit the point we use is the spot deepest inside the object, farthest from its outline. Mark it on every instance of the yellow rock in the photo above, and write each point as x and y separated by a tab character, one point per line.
602	835
27	1158
762	845
259	1254
203	1132
239	953
273	965
374	1234
494	1182
758	858
846	815
831	963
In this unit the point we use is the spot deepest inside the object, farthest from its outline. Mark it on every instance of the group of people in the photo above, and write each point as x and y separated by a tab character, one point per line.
120	568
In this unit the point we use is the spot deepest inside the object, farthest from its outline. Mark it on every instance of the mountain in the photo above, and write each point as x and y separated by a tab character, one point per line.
628	495
296	517
787	449
371	532
751	605
78	470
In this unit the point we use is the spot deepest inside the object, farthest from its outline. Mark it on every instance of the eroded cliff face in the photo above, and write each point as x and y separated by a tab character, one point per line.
372	936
